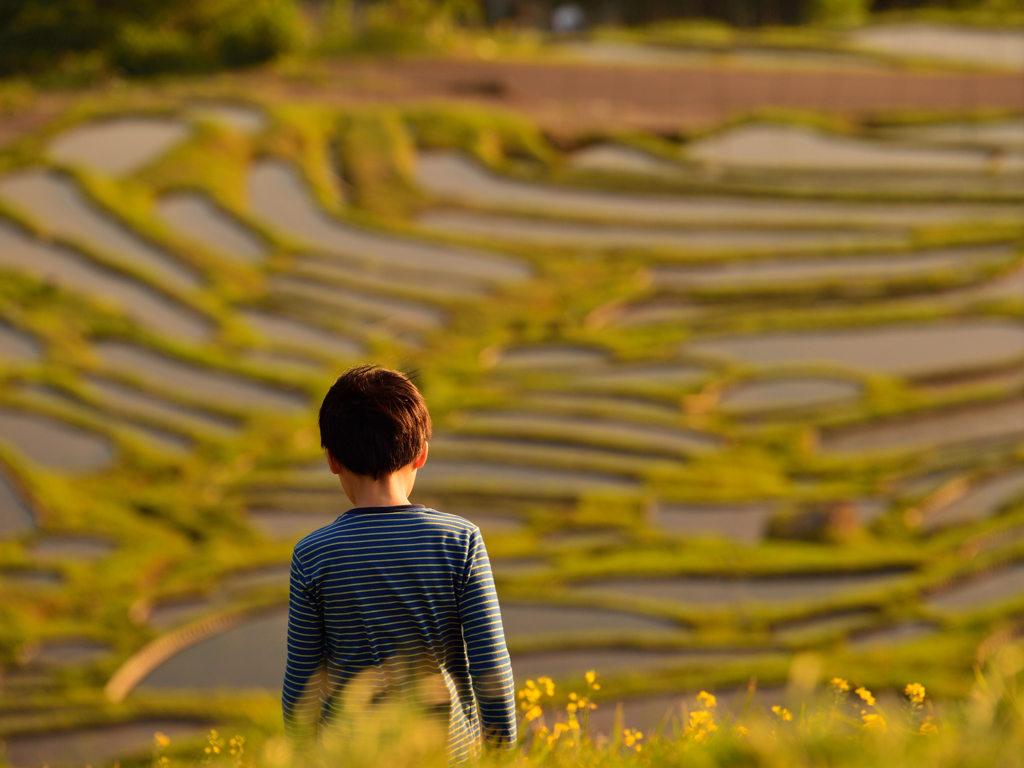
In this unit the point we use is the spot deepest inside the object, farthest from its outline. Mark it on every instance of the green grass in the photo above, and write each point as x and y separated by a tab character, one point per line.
833	723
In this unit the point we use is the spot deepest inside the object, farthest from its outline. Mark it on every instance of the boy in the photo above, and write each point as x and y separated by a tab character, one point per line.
392	593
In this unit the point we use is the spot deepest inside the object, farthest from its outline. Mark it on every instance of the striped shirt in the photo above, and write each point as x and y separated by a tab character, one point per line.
398	594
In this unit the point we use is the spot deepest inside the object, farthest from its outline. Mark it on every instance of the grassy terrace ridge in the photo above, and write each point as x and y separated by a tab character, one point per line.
584	503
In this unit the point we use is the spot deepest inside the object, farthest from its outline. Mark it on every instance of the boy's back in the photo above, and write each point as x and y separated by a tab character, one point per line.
406	592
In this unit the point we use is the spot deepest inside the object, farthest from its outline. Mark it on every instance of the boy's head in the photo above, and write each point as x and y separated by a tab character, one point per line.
374	421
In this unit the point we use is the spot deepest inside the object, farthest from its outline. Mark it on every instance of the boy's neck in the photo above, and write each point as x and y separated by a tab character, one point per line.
386	491
377	496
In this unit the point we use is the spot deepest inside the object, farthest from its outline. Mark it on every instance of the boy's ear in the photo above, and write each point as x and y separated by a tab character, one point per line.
332	463
422	458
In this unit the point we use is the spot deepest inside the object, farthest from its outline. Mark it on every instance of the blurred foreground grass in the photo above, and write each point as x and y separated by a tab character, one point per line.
835	724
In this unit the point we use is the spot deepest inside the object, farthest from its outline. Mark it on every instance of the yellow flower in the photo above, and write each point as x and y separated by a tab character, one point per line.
549	686
740	731
700	718
707	700
865	694
571	708
928	727
161	740
591	676
915	692
873	722
631	738
533	713
839	685
782	713
702	722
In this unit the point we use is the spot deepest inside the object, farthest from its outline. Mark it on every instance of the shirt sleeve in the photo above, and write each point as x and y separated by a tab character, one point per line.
489	664
300	697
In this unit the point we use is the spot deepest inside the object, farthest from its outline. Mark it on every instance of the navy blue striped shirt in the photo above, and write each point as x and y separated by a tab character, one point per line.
395	595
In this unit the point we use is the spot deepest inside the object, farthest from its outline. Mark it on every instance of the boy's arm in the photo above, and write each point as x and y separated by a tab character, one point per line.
300	697
489	664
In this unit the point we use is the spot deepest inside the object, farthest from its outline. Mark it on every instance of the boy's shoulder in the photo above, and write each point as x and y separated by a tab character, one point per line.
447	519
426	518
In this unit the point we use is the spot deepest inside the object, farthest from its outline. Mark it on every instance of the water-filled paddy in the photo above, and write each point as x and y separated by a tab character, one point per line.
603	235
15	345
543	453
195	217
980	501
991	47
549	357
621	407
782	394
72	272
991	134
616	158
252	579
202	384
382	279
531	620
52	443
711	590
249	655
280	197
56	202
286	331
746	523
887	637
394	313
30	577
118	146
285	524
798	147
517	481
70	547
821	626
993	421
454	177
900	350
644	376
238	116
96	745
981	591
173	611
45	397
133	402
770	273
70	652
571	665
621	435
16	515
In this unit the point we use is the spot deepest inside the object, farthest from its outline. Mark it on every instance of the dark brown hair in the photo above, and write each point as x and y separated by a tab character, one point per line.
374	421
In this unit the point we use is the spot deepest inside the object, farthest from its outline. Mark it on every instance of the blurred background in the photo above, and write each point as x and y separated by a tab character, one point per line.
718	308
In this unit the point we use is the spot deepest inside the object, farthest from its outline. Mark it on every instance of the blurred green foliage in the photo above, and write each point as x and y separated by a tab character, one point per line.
145	37
838	12
77	40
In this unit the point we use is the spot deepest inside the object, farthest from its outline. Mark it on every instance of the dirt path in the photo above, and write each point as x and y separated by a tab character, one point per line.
566	98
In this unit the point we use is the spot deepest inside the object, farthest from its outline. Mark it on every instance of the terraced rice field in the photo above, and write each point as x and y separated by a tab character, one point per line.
703	429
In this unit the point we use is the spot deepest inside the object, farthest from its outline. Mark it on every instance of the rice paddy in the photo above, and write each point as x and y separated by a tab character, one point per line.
703	428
